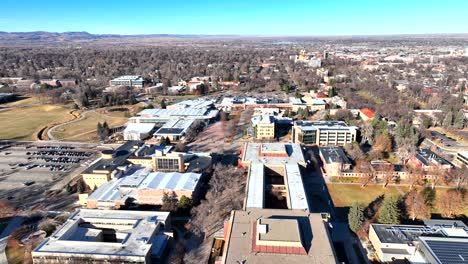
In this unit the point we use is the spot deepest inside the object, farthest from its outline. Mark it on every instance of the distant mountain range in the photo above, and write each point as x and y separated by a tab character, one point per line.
36	37
83	36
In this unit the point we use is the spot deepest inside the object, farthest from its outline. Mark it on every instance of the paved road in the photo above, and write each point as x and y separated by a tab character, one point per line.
51	130
13	224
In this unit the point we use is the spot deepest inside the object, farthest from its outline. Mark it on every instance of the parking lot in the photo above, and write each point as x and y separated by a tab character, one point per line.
29	168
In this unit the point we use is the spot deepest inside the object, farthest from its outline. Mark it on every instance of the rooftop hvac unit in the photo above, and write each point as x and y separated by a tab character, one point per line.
262	229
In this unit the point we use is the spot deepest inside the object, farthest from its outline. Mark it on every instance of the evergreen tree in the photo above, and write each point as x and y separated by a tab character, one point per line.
390	211
163	104
429	195
356	217
99	130
162	141
167	141
458	122
184	203
448	120
105	131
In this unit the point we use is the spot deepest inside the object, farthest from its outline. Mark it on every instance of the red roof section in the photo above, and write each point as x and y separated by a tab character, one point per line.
322	95
274	249
367	112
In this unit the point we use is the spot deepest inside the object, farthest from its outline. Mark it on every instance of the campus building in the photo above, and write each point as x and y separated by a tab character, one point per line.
274	176
335	161
276	236
323	133
107	236
136	131
128	80
109	165
427	160
263	127
162	116
462	158
139	186
393	242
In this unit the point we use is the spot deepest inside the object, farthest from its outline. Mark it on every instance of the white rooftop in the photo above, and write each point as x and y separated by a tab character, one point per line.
127	78
139	128
196	103
173	112
294	153
79	236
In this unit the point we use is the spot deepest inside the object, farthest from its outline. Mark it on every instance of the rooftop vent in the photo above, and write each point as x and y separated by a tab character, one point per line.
262	229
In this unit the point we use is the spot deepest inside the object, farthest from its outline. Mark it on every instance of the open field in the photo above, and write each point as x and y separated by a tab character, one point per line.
84	129
345	195
22	123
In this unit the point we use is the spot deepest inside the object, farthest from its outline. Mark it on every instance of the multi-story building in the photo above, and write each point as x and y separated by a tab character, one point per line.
334	160
263	127
139	186
107	236
276	225
274	176
128	80
323	133
109	165
277	236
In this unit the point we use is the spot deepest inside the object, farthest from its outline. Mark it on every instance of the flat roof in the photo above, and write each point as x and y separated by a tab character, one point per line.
139	178
446	250
334	154
402	234
255	193
278	229
314	237
134	231
120	158
175	127
427	156
330	125
296	192
173	112
139	128
195	103
128	78
294	153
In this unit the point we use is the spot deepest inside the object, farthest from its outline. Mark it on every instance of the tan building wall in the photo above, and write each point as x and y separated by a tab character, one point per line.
95	180
265	131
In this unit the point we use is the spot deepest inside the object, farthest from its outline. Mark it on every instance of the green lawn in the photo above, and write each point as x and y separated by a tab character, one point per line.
23	123
344	195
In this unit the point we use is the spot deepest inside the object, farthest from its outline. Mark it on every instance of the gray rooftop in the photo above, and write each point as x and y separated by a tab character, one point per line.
80	234
334	154
446	250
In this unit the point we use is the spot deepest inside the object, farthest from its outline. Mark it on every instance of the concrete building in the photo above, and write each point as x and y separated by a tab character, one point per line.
139	186
128	80
274	176
393	242
335	161
263	127
323	133
277	236
97	236
137	131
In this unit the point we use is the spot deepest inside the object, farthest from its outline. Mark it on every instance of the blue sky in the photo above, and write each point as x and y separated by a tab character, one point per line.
249	17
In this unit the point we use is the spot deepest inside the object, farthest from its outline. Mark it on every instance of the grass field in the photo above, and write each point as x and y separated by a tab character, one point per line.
345	195
85	129
22	123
